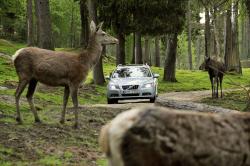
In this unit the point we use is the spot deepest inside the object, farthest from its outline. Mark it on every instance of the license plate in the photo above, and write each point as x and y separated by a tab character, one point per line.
130	92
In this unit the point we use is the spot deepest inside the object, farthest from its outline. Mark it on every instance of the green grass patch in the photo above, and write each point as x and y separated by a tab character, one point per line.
235	100
8	47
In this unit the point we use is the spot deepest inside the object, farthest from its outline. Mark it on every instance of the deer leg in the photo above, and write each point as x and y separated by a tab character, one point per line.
221	78
29	96
21	86
65	101
211	80
217	87
73	92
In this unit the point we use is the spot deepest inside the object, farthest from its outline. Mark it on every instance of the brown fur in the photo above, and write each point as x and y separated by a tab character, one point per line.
58	69
216	71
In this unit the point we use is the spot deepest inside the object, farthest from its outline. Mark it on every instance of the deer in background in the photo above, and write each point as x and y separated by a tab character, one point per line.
58	69
216	72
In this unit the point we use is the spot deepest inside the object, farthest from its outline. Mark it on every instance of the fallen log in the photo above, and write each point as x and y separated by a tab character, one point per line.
159	137
187	105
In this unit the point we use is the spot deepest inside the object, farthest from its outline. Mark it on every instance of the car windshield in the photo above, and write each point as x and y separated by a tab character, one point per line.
131	72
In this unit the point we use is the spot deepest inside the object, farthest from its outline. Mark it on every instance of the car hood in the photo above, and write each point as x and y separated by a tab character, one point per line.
131	81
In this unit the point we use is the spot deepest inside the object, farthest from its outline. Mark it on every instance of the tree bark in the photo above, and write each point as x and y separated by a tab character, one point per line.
44	24
190	59
98	75
170	62
133	50
84	24
164	137
120	54
207	33
235	41
228	40
138	48
30	30
147	51
157	51
72	22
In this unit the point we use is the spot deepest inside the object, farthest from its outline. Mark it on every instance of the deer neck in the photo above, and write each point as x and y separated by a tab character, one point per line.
94	51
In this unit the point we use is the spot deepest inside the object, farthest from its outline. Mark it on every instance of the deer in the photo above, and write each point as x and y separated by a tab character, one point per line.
216	71
56	68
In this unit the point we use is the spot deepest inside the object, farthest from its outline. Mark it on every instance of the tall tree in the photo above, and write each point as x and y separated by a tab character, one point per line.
138	48
44	24
30	30
157	51
190	59
98	75
170	62
228	39
147	50
207	32
84	23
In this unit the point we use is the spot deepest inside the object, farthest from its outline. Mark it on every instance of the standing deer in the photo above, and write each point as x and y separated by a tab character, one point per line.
216	72
58	69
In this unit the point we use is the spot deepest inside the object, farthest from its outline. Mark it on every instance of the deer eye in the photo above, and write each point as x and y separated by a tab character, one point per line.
103	34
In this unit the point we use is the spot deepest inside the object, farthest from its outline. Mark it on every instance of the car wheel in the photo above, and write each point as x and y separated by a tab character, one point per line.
152	100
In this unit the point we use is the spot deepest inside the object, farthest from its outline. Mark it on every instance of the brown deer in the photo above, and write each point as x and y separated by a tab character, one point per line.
56	68
216	72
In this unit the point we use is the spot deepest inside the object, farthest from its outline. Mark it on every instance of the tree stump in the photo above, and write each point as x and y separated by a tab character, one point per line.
159	137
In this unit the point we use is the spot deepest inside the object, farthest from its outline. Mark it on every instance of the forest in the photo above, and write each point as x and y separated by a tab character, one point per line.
175	38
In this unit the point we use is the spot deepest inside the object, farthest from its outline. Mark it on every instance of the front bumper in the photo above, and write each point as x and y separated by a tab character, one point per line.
141	93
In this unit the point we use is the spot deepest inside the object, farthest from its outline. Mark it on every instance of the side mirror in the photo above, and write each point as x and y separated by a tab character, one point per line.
107	77
156	75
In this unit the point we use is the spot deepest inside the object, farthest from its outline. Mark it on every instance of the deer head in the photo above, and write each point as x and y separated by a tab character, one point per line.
101	36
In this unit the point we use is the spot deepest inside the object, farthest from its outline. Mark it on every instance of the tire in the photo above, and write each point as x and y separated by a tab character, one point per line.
152	100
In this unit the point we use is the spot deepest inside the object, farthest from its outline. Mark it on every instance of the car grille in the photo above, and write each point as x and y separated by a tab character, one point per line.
137	94
130	87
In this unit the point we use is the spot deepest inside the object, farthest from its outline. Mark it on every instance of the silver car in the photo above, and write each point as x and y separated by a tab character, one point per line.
132	82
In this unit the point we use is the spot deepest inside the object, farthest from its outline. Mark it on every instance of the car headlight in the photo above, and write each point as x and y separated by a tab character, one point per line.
149	85
114	87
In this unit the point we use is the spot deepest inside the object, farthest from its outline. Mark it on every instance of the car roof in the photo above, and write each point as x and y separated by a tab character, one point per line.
133	65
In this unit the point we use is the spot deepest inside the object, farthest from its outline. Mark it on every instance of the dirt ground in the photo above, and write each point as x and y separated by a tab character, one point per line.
33	144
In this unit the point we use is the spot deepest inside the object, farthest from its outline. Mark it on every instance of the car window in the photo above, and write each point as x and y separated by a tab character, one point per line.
132	72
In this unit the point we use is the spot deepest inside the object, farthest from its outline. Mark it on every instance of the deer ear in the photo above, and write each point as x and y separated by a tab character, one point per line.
99	26
92	27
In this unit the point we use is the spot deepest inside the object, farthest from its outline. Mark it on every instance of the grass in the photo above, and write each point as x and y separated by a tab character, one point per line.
235	100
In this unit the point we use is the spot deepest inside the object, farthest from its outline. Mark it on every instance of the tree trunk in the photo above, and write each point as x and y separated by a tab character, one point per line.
163	137
30	30
235	41
228	40
84	24
98	70
36	24
98	75
72	20
120	54
169	68
198	52
147	51
138	48
157	51
45	30
207	33
133	50
190	59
